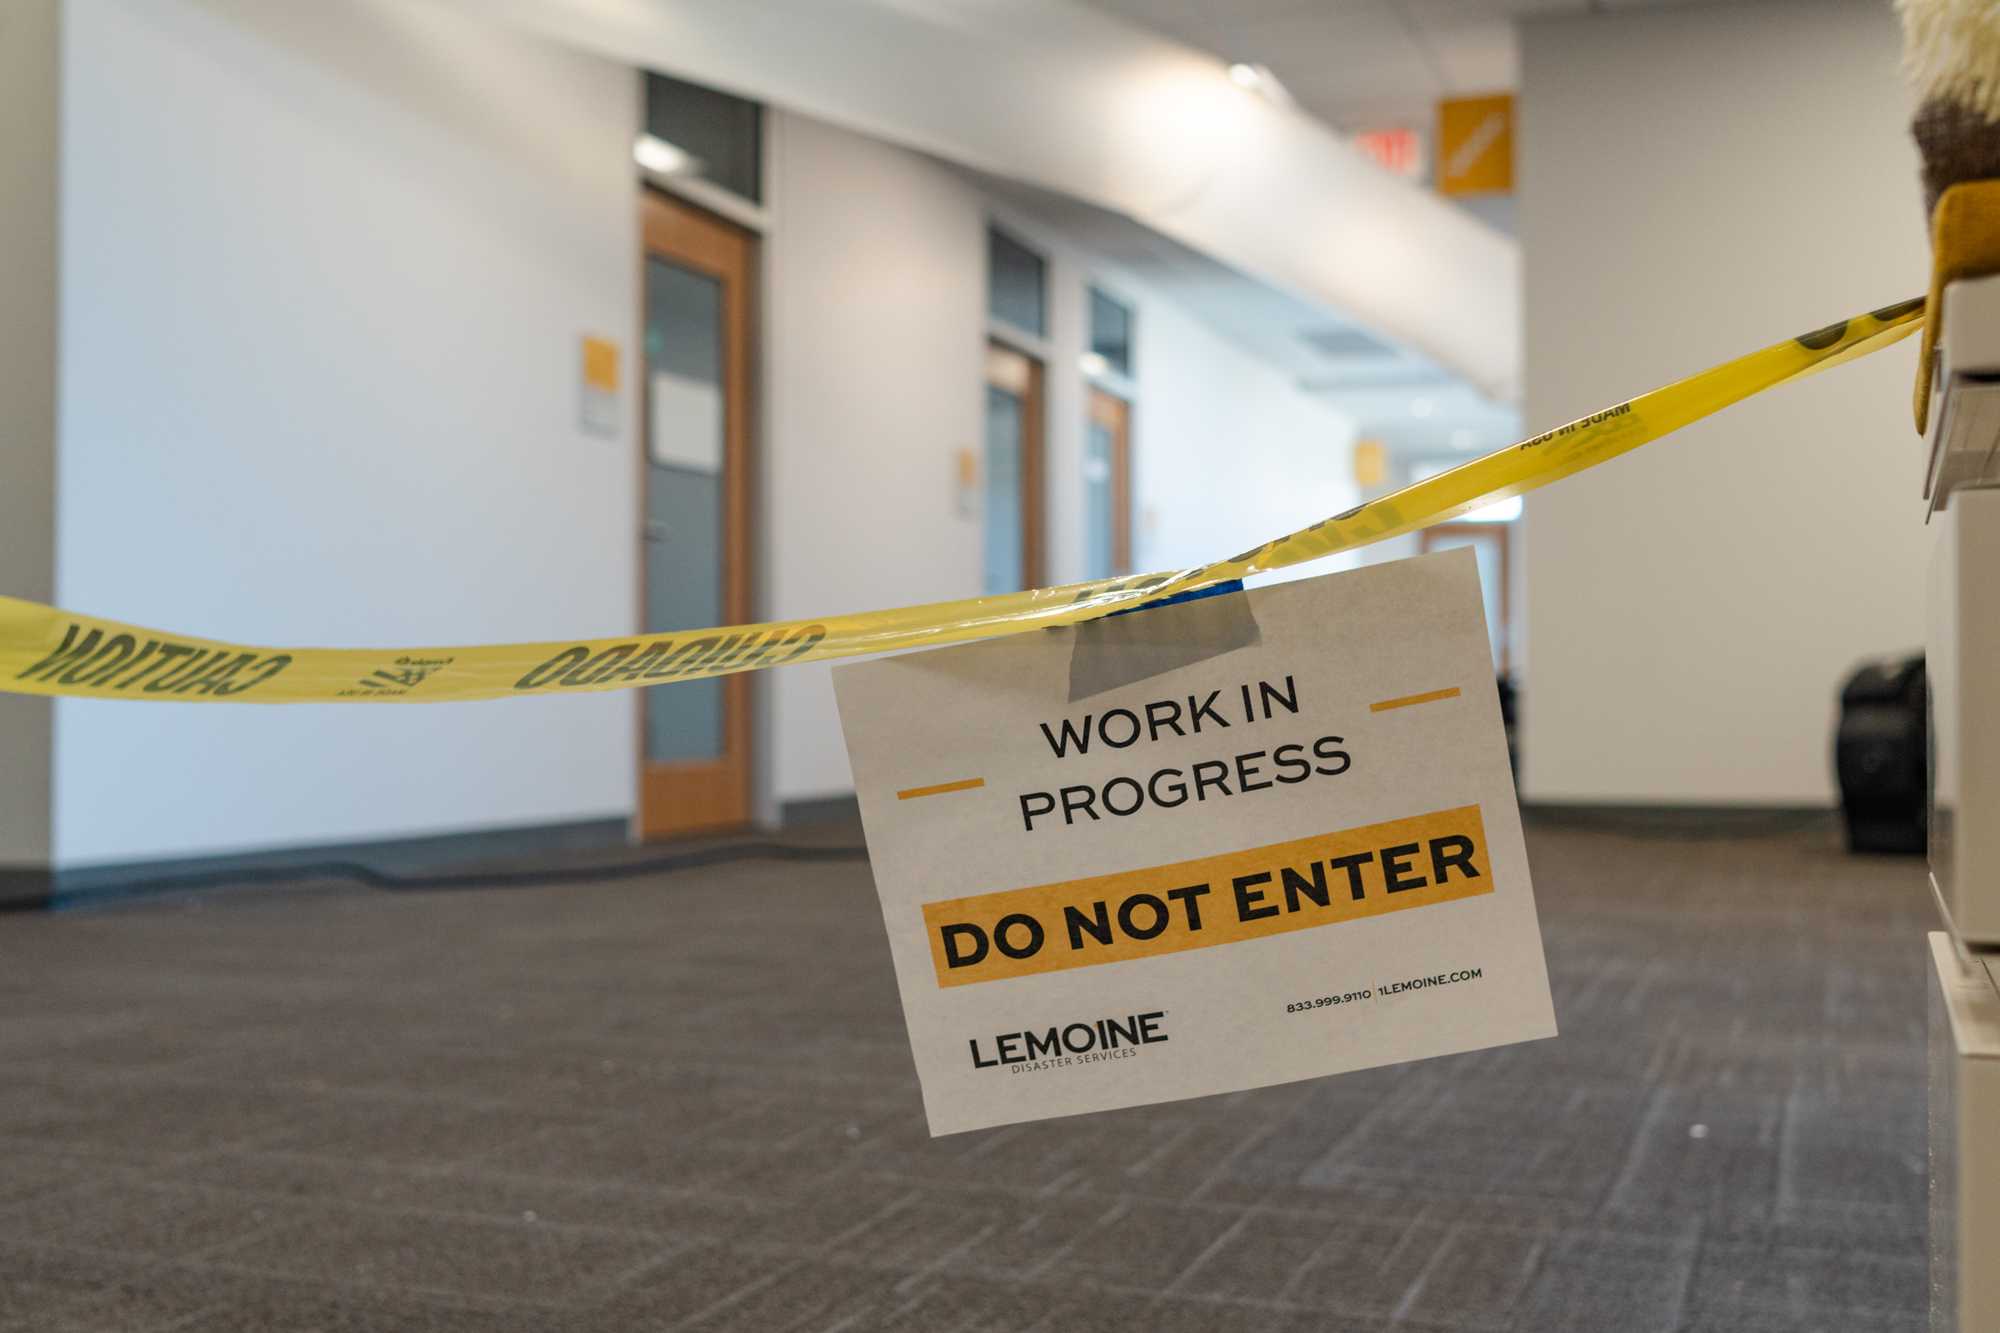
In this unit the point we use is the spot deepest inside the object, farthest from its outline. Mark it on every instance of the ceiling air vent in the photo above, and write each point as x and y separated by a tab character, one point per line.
1345	343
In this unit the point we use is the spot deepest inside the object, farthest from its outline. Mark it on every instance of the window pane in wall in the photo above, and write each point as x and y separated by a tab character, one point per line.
684	496
1111	331
1006	418
722	134
1015	277
1099	503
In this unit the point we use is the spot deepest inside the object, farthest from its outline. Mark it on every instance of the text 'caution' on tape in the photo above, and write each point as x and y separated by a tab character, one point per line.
47	651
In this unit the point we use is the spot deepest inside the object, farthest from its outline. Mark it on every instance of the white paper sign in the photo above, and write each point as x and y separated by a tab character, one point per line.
1239	841
686	417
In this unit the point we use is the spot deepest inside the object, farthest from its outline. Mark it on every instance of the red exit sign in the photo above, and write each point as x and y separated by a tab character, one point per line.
1399	150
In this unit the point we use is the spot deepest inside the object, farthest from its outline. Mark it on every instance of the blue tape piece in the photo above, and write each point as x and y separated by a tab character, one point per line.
1233	585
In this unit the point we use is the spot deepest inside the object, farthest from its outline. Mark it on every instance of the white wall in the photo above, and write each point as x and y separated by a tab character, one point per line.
29	102
324	273
324	288
875	329
1227	452
1696	183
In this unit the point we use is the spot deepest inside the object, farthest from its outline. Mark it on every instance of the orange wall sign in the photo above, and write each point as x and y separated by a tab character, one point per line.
597	386
600	364
1371	463
1475	145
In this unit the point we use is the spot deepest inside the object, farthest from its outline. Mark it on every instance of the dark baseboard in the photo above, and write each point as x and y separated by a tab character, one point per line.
96	885
821	810
26	888
1692	820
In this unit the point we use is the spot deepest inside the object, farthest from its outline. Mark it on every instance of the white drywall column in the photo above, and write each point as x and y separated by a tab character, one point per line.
29	99
1697	183
875	312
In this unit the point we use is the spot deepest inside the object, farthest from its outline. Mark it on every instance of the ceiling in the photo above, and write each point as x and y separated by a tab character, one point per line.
1389	392
1360	64
1080	101
1356	65
1366	288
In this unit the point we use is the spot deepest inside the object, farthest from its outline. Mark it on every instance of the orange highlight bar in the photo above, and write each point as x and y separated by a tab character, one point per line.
1326	880
963	784
1410	699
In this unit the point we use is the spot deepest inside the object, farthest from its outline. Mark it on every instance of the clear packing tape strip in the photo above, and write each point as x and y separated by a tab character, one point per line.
47	651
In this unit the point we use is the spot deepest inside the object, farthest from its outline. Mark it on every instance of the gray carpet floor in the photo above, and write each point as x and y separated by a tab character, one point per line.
687	1103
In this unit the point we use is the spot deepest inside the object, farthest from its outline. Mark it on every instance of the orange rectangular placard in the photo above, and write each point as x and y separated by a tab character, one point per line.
1297	885
1371	463
600	364
1475	152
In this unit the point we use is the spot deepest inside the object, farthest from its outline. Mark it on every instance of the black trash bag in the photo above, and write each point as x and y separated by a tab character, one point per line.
1879	756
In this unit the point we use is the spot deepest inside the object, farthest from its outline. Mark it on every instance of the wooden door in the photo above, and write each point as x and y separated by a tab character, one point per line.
695	451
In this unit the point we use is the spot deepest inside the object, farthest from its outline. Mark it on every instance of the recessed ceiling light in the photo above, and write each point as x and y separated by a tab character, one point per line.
657	155
1422	407
1260	80
1094	364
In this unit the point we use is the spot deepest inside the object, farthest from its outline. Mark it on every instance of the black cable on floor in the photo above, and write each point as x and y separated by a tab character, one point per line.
400	882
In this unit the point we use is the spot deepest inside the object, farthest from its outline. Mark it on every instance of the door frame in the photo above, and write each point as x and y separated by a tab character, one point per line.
1114	413
1022	373
697	796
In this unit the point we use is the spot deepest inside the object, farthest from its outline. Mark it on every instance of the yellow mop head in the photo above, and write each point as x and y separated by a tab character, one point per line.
1952	54
1952	50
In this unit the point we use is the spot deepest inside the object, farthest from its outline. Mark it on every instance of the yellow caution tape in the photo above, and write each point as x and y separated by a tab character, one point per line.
52	652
